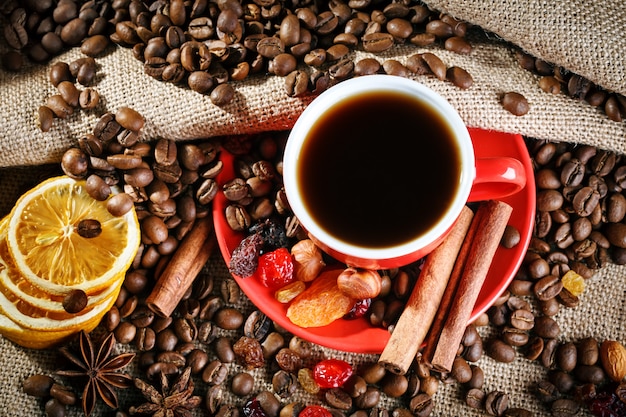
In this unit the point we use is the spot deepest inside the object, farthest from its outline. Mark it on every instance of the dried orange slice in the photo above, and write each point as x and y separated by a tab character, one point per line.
48	251
12	283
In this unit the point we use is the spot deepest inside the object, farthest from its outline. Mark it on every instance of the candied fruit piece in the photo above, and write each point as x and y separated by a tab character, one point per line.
275	268
573	282
332	373
289	292
320	304
314	411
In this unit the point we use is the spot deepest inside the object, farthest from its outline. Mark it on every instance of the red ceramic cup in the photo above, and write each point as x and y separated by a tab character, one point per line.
478	179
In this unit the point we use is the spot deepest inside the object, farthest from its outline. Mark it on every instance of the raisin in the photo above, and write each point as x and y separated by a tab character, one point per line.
245	258
248	350
289	292
273	233
288	360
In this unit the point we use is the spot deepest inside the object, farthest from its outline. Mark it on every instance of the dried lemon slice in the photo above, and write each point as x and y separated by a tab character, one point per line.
50	253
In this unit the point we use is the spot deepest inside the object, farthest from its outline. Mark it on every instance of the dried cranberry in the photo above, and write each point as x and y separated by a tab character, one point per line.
606	404
275	269
359	309
252	408
314	411
332	373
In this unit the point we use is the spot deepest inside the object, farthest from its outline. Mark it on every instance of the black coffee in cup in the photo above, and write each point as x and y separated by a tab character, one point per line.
379	169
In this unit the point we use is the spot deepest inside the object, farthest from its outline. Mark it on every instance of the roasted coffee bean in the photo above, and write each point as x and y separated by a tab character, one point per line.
369	399
522	319
59	106
546	327
75	301
45	118
475	398
564	407
477	379
63	394
566	356
338	398
89	98
459	76
54	408
593	374
496	402
242	384
435	65
547	287
222	95
395	67
377	42
515	103
461	370
548	353
514	336
546	391
500	351
38	385
166	340
224	349
534	348
125	332
75	163
145	339
588	351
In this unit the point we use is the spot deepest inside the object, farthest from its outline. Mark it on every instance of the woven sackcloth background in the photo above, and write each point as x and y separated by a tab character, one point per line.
584	37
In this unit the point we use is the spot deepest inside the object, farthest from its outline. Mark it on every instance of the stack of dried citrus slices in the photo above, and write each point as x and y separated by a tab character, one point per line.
45	255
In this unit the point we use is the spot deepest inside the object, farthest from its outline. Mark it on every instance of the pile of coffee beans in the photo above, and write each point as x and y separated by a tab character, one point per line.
203	45
42	29
172	183
557	80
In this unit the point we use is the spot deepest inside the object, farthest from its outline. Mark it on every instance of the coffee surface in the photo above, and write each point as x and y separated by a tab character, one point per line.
379	169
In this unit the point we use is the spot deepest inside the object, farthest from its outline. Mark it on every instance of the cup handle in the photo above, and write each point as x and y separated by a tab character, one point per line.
497	178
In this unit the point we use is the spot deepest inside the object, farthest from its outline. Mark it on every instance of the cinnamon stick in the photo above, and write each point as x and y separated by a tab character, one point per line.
474	261
192	254
422	305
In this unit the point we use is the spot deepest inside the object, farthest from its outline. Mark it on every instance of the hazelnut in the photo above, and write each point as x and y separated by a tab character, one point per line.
359	283
307	260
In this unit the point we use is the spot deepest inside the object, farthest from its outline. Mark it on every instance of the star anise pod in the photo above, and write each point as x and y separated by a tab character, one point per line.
101	370
175	401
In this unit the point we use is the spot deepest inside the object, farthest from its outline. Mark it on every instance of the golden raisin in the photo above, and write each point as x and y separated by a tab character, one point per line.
289	291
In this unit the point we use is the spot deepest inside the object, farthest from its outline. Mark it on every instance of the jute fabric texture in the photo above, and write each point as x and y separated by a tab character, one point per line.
584	37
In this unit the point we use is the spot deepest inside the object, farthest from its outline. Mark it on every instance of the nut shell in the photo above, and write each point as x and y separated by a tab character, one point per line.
613	358
360	283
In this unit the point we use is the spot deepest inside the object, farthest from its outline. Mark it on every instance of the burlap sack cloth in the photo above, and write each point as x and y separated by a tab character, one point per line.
584	37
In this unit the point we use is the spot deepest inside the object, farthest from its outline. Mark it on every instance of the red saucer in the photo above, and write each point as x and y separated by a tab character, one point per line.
358	335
